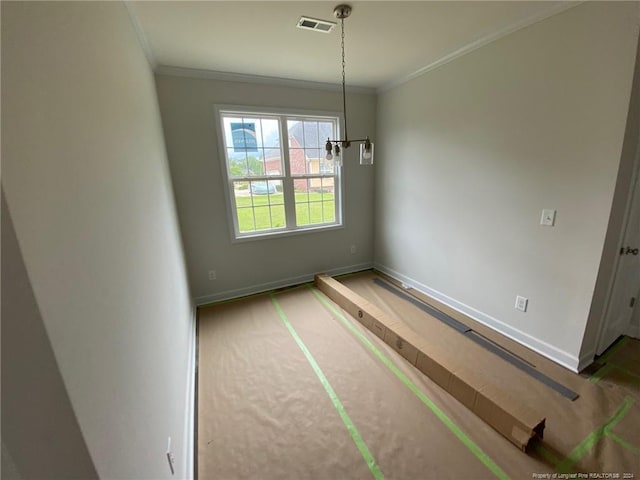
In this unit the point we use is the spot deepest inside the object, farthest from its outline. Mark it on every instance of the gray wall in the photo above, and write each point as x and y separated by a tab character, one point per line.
99	298
187	106
9	470
471	153
37	417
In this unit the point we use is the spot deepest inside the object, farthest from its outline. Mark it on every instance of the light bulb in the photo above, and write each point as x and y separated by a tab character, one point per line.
328	147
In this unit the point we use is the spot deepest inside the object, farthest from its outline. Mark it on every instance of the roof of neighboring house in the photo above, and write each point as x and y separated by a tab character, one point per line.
311	134
308	135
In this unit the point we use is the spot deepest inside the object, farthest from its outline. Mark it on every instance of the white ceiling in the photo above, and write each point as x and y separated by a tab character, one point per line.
386	41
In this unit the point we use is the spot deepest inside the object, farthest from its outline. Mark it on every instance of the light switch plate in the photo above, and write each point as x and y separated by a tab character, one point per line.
548	217
521	303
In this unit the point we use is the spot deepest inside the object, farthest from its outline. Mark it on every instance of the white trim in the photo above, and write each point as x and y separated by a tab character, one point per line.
547	350
142	38
481	42
287	179
272	234
232	223
288	185
287	282
261	79
586	359
188	447
275	111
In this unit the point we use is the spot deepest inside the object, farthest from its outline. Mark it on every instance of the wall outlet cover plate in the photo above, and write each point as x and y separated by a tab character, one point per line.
548	217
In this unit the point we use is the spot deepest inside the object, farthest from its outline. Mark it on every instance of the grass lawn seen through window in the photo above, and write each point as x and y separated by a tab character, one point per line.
263	212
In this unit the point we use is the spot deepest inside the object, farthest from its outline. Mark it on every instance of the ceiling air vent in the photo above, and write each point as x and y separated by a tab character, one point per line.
309	23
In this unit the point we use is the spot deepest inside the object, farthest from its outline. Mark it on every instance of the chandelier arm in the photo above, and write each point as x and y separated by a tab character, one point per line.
350	140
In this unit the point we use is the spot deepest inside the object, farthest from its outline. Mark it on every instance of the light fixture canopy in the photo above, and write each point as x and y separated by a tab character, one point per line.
333	147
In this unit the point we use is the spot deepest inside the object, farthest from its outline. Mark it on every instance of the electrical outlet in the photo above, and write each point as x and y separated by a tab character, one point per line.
170	458
353	249
548	217
212	275
521	303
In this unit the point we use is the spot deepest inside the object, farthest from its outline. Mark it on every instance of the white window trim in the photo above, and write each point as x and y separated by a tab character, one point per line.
232	219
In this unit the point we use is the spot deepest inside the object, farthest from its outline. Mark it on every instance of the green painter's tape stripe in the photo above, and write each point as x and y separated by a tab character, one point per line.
614	349
234	300
254	295
619	415
594	437
351	428
470	444
635	377
602	371
623	443
548	456
566	465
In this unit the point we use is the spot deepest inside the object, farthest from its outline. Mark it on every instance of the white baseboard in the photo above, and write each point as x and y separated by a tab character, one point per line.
287	282
189	451
545	349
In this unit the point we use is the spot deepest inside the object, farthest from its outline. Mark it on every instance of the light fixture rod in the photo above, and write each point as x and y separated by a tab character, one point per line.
341	12
366	148
344	81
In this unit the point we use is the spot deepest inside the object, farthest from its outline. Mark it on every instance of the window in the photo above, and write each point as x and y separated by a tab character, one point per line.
278	179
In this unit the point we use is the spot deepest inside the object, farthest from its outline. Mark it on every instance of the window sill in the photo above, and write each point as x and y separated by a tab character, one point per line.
285	233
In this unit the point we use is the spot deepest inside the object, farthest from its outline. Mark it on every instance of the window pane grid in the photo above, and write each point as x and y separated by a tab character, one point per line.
252	146
315	204
306	141
255	156
264	202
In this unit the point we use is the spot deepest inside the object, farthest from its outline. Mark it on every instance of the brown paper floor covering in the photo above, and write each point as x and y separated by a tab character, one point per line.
264	413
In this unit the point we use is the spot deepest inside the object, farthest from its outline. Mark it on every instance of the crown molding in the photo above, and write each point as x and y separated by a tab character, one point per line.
481	42
260	79
142	38
287	82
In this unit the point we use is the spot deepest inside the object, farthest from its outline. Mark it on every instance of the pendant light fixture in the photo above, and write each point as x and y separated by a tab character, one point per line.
333	147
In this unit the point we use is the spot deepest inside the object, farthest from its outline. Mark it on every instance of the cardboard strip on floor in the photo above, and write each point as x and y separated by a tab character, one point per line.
516	421
337	403
263	412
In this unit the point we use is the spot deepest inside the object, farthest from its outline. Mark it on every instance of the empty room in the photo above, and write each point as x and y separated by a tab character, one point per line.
320	240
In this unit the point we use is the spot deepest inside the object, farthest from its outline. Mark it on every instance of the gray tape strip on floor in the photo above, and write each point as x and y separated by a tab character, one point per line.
483	342
434	312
